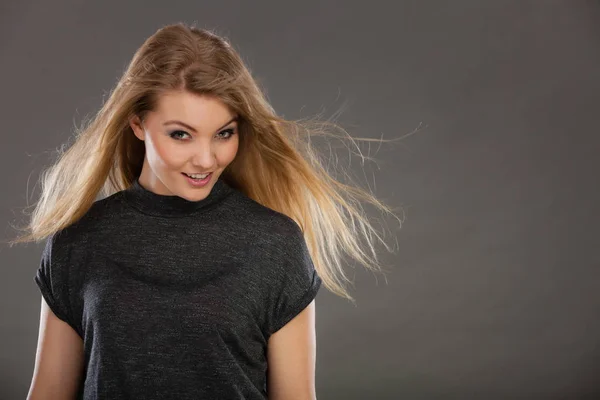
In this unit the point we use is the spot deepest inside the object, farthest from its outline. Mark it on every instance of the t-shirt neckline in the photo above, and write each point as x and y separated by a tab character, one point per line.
161	205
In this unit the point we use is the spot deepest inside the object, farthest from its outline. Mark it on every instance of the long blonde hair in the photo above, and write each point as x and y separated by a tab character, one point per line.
276	164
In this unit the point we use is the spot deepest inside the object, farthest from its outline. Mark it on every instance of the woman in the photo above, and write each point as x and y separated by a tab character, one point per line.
193	277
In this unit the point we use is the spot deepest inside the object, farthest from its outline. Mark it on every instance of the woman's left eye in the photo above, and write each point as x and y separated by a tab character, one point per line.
230	131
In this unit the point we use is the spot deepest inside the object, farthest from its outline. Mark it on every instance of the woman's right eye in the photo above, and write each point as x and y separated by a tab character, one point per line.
175	134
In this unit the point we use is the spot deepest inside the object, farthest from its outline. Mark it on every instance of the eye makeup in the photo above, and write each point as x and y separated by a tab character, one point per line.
231	131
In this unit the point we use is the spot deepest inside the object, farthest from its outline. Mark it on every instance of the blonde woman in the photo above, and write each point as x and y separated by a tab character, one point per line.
194	275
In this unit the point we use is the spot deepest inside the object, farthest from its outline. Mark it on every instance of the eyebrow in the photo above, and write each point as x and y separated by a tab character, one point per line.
236	118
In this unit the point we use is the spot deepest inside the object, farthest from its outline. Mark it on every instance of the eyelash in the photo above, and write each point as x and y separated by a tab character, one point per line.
231	131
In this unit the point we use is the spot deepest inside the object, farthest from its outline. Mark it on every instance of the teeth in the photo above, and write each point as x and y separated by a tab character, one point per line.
197	176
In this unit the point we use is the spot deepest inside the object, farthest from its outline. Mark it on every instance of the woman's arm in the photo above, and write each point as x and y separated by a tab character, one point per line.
58	361
291	357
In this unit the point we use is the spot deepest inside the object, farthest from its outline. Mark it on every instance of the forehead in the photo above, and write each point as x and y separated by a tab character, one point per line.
192	107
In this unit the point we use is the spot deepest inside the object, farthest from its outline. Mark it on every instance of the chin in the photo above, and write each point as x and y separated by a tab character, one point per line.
195	194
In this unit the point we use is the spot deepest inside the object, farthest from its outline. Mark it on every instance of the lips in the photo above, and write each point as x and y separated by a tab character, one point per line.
199	173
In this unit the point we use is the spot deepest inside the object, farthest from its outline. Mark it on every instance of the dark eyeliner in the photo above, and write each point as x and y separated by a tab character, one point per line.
231	131
177	131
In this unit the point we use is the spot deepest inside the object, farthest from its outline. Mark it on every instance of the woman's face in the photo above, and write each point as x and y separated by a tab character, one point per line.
186	134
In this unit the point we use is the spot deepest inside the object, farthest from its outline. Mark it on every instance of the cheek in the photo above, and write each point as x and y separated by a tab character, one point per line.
228	152
163	153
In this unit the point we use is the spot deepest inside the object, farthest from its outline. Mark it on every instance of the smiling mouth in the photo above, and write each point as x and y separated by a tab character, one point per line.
190	175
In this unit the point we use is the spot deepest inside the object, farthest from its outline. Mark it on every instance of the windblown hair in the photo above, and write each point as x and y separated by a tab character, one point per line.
276	164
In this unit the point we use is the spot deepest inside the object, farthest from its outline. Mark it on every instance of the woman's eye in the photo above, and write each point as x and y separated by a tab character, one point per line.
230	133
223	135
175	135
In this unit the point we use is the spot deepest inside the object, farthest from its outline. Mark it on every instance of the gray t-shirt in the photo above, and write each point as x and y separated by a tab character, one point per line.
176	299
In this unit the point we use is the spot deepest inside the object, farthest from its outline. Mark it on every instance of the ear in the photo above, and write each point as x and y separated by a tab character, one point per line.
136	125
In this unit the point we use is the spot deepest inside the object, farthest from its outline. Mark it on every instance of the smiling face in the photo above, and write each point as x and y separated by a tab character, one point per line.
186	134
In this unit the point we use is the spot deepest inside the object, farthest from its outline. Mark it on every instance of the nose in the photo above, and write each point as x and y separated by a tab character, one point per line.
204	158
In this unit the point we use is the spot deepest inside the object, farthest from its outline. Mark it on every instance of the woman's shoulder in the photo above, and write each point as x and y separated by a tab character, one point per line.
264	218
102	212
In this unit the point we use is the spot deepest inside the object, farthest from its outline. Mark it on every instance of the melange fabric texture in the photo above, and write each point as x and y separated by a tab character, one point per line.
176	299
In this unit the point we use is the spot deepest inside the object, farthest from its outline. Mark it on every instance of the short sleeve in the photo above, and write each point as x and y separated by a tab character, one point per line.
52	279
294	283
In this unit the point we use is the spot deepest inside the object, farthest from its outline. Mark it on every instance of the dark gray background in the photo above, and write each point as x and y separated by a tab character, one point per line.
495	290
